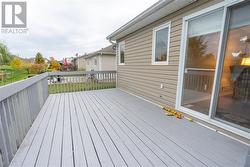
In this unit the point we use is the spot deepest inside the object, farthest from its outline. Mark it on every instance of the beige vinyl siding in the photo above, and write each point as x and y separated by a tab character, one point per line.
108	62
90	63
81	63
138	76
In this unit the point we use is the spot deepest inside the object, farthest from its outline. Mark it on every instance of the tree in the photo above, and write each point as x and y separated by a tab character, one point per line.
26	66
5	55
198	56
16	63
196	51
39	59
53	64
36	68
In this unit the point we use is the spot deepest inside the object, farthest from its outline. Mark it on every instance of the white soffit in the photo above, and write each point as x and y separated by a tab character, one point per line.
158	10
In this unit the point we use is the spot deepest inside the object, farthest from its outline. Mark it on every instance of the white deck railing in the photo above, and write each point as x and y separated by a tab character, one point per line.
21	102
60	82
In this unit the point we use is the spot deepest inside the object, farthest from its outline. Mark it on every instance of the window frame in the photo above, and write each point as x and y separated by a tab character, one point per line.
119	52
155	30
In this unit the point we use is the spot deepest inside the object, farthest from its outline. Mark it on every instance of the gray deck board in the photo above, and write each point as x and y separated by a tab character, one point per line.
55	151
167	151
86	138
79	150
67	143
43	158
110	146
113	128
149	150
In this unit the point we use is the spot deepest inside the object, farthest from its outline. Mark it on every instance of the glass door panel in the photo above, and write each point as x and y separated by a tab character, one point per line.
234	97
203	36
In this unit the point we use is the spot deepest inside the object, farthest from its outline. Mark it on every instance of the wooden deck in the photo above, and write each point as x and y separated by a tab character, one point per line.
113	128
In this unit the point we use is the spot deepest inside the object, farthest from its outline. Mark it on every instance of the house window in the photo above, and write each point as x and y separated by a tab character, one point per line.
121	53
161	39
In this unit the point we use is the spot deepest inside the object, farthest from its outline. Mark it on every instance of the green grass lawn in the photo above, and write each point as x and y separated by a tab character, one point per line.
75	87
11	75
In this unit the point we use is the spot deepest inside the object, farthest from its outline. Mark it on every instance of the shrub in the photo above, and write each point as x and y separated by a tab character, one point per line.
26	66
16	63
53	64
36	68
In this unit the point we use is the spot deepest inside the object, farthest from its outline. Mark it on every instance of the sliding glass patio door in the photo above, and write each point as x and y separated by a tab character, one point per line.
203	36
215	71
234	89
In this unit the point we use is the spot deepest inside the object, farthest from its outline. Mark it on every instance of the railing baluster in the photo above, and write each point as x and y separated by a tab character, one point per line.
1	160
6	131
76	81
3	145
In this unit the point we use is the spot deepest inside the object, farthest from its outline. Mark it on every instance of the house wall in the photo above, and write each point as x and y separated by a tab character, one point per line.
108	63
90	63
81	63
138	76
104	63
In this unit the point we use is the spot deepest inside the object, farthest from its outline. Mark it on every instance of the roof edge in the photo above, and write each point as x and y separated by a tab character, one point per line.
147	13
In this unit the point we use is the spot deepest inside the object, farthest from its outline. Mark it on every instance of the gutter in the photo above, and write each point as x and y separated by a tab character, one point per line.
112	42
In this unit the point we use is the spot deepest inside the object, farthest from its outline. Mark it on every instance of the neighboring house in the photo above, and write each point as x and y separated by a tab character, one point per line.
192	55
101	60
81	63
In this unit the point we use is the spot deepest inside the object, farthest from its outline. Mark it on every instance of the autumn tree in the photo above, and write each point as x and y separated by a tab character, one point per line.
53	64
16	63
36	68
26	66
39	58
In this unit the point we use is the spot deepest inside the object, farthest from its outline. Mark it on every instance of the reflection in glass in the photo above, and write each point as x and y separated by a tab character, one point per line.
122	49
234	96
201	52
161	45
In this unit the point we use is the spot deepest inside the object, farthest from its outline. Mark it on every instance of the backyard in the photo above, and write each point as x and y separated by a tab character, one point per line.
9	75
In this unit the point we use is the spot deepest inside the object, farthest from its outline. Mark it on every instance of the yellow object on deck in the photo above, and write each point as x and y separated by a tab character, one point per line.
172	112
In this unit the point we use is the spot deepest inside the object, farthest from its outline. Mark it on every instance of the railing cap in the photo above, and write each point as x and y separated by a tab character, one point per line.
13	88
78	73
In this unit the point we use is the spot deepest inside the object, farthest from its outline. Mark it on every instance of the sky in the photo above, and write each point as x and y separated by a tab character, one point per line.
62	28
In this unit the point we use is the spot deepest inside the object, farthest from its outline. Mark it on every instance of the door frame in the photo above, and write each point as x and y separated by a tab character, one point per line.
210	118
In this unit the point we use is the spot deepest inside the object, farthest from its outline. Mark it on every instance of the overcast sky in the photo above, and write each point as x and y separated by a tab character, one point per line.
62	28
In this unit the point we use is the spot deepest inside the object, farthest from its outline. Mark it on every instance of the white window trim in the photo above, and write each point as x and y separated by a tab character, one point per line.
119	56
165	25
